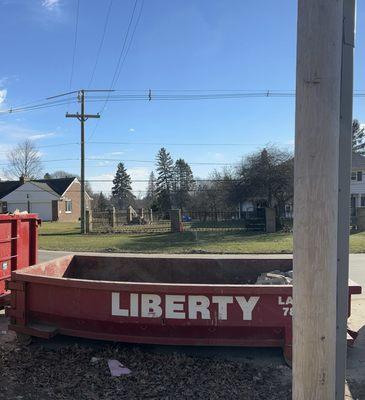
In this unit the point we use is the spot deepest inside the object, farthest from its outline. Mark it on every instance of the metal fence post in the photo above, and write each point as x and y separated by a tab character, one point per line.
88	221
112	217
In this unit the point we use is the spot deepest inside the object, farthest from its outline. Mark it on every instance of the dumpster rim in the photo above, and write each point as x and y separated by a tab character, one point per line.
25	275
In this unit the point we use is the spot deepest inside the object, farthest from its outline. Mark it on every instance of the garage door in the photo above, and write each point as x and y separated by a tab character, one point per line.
44	210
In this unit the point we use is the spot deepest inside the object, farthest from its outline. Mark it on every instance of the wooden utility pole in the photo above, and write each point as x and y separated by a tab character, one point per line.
82	117
321	196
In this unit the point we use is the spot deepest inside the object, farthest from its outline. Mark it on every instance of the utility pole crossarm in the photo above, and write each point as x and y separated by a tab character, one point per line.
83	117
87	116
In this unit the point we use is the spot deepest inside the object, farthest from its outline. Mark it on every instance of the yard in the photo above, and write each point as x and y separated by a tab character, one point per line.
65	236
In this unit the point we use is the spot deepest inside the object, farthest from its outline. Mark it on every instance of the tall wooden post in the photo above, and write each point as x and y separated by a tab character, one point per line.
176	221
82	117
321	197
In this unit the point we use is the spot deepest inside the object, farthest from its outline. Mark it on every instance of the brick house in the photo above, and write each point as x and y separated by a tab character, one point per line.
51	199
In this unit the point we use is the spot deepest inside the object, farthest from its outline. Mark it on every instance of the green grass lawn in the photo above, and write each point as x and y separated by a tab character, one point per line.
65	236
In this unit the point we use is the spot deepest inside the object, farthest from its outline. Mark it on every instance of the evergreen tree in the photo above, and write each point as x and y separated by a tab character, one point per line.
151	190
183	183
165	170
358	137
122	190
47	176
102	202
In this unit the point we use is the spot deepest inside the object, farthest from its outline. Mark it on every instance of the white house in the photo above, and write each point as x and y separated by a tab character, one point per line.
51	199
357	187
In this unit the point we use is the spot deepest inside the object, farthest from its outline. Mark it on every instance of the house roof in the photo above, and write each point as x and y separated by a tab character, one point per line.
58	185
44	186
8	187
358	161
54	186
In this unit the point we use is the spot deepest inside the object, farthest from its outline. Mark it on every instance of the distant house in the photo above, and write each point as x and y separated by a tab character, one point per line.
51	199
357	187
357	190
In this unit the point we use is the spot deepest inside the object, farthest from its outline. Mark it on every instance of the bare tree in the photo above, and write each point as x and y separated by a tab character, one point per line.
64	174
267	177
24	160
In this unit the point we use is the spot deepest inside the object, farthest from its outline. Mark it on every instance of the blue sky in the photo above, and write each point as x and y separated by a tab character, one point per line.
190	44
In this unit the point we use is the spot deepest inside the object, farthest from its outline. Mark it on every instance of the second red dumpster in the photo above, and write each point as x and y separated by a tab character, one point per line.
18	246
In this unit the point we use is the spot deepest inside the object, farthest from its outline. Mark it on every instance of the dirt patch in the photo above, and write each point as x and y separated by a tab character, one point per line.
77	372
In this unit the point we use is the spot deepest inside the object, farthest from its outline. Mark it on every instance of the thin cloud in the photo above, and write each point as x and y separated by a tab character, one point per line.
137	173
50	4
3	81
18	132
41	136
3	93
106	184
219	157
131	130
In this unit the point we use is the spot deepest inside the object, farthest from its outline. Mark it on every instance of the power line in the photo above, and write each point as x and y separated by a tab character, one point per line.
101	43
75	44
161	97
119	160
113	82
149	144
173	144
131	40
120	61
153	161
169	180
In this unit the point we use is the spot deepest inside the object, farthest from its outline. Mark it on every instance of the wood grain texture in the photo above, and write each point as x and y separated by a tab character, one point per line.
316	198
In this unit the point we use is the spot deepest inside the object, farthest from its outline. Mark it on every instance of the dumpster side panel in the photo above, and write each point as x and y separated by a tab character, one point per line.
18	245
6	243
148	314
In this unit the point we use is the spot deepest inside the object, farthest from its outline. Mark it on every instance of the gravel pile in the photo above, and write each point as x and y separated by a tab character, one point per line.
75	372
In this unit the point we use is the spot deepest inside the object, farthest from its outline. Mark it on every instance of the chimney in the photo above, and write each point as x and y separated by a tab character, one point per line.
23	179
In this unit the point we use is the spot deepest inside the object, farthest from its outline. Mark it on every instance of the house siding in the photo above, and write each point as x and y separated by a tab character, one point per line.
73	193
30	197
357	188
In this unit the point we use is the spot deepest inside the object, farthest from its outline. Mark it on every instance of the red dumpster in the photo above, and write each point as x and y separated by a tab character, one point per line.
162	300
18	246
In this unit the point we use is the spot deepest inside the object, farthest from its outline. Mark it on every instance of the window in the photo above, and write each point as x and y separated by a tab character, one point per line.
68	206
356	176
3	207
362	203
